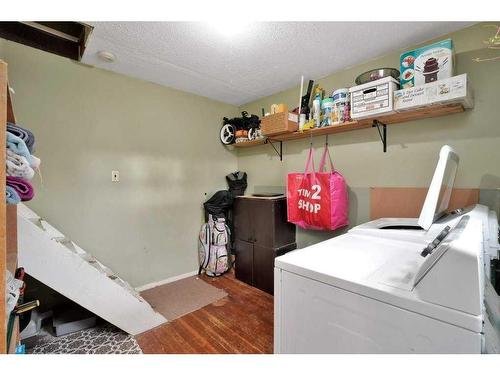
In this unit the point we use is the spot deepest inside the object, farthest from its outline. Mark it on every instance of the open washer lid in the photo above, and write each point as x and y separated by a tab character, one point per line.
439	193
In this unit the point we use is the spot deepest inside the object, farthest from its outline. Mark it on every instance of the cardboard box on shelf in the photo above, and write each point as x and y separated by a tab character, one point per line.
278	123
373	98
427	64
451	90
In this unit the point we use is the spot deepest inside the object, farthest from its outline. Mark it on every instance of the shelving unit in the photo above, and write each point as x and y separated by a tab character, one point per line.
379	121
8	219
3	206
316	132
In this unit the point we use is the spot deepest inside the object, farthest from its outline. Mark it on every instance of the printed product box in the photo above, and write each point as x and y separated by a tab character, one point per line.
427	64
373	98
451	90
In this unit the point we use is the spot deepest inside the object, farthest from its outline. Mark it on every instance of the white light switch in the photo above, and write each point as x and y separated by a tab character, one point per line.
115	176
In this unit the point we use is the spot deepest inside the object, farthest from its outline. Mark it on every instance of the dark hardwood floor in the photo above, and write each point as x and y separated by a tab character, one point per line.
242	322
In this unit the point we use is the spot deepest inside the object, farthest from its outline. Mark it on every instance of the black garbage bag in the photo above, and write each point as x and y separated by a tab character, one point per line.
219	204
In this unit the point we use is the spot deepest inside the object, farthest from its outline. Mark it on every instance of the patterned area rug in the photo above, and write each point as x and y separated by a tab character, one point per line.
102	339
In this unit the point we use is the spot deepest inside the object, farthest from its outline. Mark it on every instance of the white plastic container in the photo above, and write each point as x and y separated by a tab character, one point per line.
327	105
340	112
317	111
340	95
373	98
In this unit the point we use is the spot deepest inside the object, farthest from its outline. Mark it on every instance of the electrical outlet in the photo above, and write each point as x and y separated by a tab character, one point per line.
115	176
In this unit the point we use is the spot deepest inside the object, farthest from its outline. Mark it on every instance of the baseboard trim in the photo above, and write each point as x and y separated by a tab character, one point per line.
166	281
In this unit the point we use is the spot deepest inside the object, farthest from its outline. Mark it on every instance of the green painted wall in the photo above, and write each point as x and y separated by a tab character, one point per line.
164	142
413	147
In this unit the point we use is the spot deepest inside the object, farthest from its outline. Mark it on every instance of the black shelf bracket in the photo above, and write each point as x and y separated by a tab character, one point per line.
278	152
382	133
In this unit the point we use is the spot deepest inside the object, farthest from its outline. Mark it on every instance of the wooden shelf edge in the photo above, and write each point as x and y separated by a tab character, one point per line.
255	142
341	128
10	109
437	110
14	339
3	120
11	263
11	238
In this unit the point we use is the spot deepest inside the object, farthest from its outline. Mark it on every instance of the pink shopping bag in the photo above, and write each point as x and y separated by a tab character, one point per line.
317	200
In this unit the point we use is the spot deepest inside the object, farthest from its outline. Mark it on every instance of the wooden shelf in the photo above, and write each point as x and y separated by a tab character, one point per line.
255	142
11	241
345	127
417	114
11	262
392	119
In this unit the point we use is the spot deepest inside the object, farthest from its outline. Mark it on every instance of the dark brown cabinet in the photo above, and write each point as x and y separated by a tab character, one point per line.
261	234
244	261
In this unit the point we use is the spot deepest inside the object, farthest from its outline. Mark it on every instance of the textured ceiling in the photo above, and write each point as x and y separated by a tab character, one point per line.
260	60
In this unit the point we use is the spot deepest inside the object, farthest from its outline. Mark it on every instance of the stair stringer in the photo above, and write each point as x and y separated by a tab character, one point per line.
50	257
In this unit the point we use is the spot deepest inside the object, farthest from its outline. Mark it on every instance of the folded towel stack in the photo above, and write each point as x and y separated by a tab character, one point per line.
24	134
20	164
22	187
11	195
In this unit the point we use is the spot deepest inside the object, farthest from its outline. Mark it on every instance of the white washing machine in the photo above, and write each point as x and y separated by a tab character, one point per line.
395	285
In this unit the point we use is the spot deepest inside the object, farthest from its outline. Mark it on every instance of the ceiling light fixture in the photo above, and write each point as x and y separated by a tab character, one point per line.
229	28
106	56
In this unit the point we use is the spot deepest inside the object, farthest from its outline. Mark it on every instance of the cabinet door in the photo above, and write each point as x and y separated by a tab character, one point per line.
263	264
242	219
270	225
244	261
263	222
284	232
